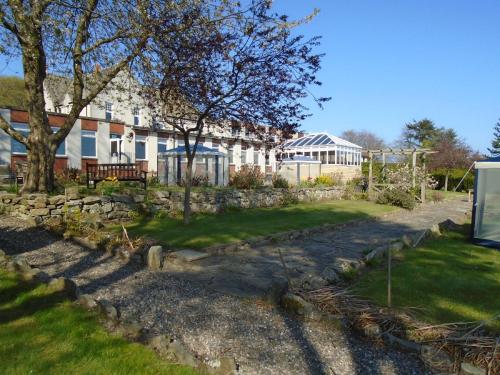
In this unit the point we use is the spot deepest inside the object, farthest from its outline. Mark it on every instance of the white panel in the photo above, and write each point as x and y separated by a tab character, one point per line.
103	143
152	150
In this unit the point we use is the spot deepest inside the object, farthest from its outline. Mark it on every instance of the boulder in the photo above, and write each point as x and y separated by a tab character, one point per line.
469	369
131	330
65	285
330	275
91	200
21	265
107	309
171	350
437	359
57	200
40	211
295	304
139	198
155	257
87	301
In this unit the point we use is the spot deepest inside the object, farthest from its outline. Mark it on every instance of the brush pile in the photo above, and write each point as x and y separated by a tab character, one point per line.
463	341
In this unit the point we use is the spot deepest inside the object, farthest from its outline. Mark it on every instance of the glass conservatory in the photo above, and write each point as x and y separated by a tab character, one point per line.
486	209
324	148
210	166
299	168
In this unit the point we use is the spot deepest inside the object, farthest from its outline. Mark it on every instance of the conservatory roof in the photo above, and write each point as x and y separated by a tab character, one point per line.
301	159
319	139
200	150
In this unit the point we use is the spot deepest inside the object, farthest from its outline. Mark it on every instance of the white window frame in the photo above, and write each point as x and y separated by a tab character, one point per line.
87	135
136	113
120	144
110	111
142	138
163	141
20	126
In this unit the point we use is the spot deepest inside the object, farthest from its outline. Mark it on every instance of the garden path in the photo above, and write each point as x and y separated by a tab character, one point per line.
205	306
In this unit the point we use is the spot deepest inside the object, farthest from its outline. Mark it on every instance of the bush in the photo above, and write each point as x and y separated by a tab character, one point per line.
68	177
197	181
109	187
396	197
247	178
455	175
279	182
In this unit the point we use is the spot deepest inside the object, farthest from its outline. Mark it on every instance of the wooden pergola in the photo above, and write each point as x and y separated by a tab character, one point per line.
413	152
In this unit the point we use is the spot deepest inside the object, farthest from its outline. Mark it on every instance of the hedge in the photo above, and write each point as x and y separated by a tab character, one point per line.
454	179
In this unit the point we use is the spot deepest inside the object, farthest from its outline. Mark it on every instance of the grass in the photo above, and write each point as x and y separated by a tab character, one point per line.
210	229
448	278
43	333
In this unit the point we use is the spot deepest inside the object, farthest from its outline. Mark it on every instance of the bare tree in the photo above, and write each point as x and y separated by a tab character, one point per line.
67	38
239	65
363	138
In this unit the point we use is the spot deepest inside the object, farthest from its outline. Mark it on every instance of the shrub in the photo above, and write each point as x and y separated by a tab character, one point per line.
197	181
309	183
109	187
279	182
68	176
396	197
454	177
247	178
289	198
325	180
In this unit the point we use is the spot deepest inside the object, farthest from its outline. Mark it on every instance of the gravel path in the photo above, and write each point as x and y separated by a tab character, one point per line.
211	322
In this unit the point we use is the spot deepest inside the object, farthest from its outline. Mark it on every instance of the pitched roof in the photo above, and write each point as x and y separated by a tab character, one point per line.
319	139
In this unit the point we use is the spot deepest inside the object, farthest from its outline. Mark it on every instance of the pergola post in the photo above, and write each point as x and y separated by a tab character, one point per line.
414	169
423	185
383	165
370	171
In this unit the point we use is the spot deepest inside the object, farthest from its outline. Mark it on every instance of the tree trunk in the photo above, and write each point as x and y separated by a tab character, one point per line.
446	181
187	190
40	147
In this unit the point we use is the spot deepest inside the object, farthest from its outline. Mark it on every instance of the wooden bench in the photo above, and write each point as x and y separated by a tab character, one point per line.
122	172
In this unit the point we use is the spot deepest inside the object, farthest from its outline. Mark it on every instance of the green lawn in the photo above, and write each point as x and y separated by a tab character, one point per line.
211	229
448	277
43	333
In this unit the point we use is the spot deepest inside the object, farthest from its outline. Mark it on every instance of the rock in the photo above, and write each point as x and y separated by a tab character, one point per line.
172	350
436	358
330	275
21	265
86	242
470	369
343	265
106	308
91	200
399	343
397	246
138	198
406	240
295	304
131	330
87	301
227	366
435	230
65	285
448	224
189	255
42	277
57	200
310	281
72	193
40	211
372	330
155	255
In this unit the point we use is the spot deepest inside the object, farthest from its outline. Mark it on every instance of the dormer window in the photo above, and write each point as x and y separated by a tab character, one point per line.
108	109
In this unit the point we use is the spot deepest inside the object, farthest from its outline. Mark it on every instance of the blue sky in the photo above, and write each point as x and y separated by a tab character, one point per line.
389	62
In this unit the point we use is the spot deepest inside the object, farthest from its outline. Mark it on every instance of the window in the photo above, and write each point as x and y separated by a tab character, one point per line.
137	116
256	157
61	150
235	132
268	160
331	157
108	109
19	148
140	147
116	144
243	155
162	144
230	155
89	144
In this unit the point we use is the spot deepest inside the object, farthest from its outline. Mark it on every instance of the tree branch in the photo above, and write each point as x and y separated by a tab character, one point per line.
5	126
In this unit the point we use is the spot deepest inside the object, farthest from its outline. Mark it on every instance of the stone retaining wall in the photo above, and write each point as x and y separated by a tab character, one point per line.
41	207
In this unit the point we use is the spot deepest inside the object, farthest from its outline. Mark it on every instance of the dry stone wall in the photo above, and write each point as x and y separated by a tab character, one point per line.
41	207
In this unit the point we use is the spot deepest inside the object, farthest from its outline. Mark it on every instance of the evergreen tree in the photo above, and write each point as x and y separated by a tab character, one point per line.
495	143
